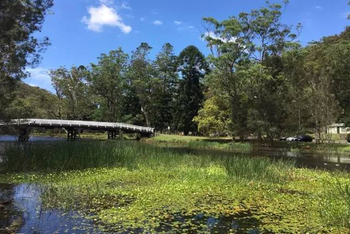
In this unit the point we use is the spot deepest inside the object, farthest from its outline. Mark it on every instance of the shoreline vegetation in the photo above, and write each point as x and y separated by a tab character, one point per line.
139	187
219	143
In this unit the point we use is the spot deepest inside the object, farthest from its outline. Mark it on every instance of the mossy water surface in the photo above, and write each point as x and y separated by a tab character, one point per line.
140	188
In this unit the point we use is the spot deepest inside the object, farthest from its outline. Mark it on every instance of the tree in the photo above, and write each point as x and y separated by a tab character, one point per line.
18	47
31	102
142	74
311	101
72	85
246	53
214	117
296	100
107	81
163	103
192	68
336	55
324	107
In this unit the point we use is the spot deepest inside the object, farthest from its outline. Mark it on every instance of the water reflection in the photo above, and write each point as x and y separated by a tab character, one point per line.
26	205
7	138
329	161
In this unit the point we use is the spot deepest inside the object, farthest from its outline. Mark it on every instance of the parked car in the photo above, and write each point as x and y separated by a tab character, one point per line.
305	138
294	138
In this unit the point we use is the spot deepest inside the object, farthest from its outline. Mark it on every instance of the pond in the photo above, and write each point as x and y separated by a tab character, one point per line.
11	138
323	160
22	211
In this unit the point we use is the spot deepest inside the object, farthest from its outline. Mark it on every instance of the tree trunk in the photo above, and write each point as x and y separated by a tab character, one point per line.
148	124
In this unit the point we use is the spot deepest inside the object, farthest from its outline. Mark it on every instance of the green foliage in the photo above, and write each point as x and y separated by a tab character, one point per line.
18	47
32	102
107	80
142	73
246	55
276	87
165	90
213	118
335	63
192	67
72	89
337	212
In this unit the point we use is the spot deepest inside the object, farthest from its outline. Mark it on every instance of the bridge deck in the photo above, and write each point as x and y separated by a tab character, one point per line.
93	125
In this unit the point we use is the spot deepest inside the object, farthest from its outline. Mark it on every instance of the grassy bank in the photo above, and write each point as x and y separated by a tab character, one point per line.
197	142
138	187
227	144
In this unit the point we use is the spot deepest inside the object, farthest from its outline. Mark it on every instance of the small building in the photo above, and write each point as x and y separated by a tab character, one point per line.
337	128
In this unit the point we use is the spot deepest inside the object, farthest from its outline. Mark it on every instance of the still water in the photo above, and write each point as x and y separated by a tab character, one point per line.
24	207
21	208
7	138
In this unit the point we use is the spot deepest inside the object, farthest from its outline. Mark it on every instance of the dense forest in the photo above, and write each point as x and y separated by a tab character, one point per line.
258	80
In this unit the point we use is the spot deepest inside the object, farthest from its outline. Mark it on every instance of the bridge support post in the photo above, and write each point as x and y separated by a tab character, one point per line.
72	134
24	134
112	134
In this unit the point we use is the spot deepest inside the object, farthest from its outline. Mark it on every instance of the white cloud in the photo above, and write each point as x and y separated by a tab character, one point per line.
319	8
104	16
142	19
107	2
126	6
39	74
183	26
157	22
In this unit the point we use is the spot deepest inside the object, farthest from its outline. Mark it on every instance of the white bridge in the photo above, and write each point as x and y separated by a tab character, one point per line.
72	127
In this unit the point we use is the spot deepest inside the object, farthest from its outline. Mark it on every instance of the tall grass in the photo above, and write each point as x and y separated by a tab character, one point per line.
336	204
65	156
233	146
256	169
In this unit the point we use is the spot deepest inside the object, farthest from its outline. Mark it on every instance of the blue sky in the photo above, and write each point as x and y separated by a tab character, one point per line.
80	30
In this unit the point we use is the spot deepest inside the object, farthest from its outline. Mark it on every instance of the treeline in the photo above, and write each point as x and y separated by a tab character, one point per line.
263	82
165	93
258	80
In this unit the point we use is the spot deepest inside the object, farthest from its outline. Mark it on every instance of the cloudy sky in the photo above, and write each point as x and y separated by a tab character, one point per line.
80	30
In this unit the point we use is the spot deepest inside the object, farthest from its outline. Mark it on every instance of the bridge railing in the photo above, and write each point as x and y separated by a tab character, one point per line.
78	123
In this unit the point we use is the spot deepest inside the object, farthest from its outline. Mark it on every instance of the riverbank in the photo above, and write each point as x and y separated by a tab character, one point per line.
226	143
135	187
220	143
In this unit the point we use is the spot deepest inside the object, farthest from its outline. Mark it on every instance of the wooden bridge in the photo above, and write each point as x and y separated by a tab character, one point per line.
72	127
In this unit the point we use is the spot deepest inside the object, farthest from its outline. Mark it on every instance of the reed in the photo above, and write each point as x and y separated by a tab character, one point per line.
66	156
